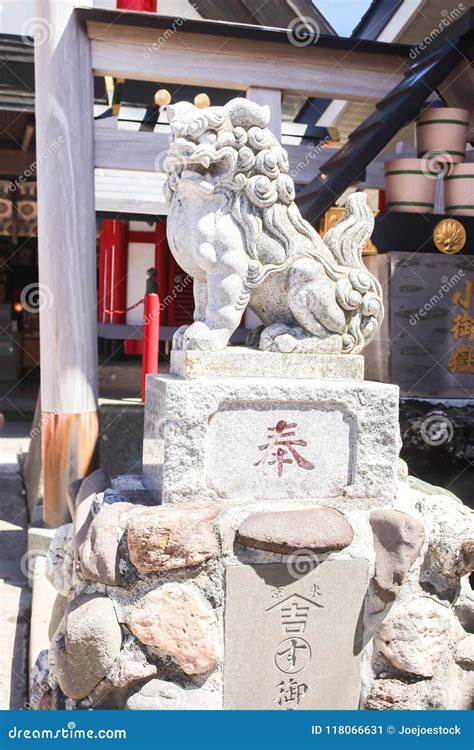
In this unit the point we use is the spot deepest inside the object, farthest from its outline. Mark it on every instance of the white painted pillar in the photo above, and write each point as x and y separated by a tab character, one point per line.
272	97
66	251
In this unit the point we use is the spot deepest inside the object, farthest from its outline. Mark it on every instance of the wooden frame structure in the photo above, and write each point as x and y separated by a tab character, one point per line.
253	61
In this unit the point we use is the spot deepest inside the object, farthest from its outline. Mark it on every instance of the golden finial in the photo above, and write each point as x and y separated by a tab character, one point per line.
201	101
162	98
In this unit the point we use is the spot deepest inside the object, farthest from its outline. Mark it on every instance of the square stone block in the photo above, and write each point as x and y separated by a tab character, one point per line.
293	641
271	439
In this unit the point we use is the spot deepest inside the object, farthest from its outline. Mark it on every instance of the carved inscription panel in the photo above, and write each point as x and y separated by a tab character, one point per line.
280	450
293	641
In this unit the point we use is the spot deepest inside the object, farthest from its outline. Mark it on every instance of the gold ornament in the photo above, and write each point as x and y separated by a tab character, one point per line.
335	214
449	236
162	98
202	101
370	248
331	217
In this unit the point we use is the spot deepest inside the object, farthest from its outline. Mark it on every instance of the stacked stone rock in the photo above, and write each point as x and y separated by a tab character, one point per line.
137	606
138	620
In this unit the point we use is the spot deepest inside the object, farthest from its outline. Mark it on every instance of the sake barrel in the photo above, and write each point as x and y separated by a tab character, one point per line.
443	131
409	186
459	190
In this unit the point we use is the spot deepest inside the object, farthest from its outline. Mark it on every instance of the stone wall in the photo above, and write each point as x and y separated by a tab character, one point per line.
139	617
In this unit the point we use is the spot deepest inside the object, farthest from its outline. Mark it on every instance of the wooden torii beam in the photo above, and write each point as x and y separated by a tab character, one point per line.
66	253
208	54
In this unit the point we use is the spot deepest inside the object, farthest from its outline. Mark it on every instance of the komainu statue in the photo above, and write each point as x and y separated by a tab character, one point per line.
234	226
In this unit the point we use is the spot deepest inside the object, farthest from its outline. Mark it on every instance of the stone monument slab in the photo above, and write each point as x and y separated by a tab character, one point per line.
293	642
270	439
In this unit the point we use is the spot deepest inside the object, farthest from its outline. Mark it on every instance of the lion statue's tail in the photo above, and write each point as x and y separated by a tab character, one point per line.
359	290
347	238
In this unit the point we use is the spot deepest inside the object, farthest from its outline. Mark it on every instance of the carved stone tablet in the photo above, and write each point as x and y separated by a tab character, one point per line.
280	450
294	642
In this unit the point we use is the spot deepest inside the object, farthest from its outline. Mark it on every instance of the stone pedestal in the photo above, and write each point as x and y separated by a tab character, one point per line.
279	564
286	436
279	444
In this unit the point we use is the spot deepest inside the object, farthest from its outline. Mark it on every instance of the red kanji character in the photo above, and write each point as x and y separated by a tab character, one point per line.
281	439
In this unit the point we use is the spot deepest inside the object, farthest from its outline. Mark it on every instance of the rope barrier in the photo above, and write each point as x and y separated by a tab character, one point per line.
127	309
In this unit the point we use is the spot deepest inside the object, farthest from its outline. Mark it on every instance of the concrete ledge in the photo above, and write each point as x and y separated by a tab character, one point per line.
39	539
43	599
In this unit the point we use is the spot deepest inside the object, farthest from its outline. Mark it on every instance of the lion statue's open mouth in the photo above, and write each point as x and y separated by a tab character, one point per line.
234	226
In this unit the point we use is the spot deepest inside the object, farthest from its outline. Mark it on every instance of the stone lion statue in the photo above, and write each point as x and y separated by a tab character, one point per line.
233	225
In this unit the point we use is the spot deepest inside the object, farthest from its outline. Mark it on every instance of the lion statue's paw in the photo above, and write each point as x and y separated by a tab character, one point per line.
282	338
199	336
182	334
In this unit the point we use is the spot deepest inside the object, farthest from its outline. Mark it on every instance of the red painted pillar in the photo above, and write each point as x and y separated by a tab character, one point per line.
162	254
113	261
146	5
151	329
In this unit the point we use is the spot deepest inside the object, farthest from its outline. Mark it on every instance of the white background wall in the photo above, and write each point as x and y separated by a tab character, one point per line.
141	257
